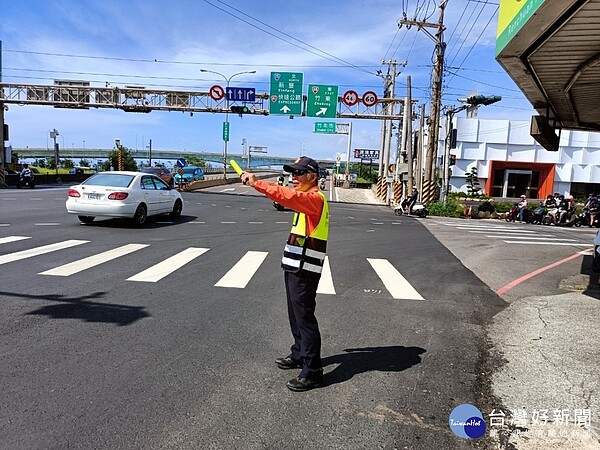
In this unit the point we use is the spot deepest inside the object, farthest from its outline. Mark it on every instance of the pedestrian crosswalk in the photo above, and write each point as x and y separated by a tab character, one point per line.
236	277
515	234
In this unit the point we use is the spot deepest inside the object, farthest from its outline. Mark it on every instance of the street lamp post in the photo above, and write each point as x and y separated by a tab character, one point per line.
226	123
471	102
54	134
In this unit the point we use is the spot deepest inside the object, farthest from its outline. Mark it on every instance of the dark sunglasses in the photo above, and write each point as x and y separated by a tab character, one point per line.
298	172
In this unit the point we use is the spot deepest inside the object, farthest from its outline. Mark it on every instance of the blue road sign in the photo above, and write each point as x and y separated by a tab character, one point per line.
181	162
237	94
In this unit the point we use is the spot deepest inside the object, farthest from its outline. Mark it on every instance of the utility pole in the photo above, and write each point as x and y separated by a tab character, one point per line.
2	137
436	82
421	147
408	136
389	84
150	153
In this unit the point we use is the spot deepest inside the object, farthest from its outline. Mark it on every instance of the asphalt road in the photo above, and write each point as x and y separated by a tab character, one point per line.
94	359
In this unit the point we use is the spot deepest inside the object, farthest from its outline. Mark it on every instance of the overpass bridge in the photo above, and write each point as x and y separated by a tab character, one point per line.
93	154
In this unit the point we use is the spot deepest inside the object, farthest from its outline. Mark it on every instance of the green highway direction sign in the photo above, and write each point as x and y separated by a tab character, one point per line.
325	127
226	131
286	93
322	101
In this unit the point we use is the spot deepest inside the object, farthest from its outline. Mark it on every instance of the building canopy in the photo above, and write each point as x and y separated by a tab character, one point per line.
551	49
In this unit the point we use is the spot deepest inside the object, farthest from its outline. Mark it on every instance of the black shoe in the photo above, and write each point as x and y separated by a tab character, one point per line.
287	363
304	384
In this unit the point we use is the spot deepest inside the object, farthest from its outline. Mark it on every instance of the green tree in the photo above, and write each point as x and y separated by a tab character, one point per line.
40	163
67	163
84	163
113	161
193	160
51	163
473	187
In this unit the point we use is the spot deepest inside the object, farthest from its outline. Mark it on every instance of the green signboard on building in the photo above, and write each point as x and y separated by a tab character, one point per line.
512	16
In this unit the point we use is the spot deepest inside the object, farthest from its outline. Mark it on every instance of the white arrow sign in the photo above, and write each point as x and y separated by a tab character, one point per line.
321	111
285	109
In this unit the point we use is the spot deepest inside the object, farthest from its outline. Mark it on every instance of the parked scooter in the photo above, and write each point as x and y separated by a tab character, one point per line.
587	218
26	181
513	214
561	218
538	214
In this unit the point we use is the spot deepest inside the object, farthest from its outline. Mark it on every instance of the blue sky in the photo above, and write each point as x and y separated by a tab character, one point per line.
165	44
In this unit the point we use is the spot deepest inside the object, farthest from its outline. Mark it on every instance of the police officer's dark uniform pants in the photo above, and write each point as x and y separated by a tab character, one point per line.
301	291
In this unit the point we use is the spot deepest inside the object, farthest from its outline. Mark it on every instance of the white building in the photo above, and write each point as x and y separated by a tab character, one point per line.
510	162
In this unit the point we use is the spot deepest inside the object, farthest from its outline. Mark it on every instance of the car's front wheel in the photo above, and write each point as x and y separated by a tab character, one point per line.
177	208
141	214
86	219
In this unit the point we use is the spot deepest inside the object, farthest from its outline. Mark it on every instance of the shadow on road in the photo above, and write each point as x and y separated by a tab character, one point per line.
593	287
83	309
359	360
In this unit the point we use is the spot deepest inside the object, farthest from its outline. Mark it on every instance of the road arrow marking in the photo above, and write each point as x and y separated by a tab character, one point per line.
321	111
285	109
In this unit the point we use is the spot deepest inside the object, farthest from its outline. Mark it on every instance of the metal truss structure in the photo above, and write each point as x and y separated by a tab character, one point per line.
77	94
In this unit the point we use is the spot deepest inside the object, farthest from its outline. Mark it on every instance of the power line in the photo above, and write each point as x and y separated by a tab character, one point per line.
328	56
475	43
159	61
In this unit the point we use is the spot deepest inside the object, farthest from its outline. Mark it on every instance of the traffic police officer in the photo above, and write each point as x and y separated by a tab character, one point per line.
303	259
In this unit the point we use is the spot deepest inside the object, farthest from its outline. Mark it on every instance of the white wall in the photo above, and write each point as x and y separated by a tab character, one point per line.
480	141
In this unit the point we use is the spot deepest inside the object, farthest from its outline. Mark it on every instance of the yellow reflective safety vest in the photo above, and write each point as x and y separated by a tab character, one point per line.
307	253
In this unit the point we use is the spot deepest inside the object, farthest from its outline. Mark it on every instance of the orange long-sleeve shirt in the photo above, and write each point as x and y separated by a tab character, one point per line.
309	202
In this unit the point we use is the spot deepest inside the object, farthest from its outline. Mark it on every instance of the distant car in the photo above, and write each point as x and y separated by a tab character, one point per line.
190	173
160	172
132	195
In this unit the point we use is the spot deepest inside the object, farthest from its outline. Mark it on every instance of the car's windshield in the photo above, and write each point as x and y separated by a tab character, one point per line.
109	179
189	170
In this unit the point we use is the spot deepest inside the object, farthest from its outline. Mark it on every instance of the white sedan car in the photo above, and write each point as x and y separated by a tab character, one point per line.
133	195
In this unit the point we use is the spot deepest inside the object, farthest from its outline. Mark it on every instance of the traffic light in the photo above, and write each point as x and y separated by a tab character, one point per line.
452	160
239	110
474	100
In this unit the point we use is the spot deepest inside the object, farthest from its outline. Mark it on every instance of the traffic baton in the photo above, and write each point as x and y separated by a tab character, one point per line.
236	167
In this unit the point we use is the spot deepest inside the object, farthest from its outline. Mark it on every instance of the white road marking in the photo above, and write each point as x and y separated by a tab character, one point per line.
241	273
256	223
158	271
92	261
4	224
48	224
11	257
228	222
505	231
394	282
533	238
549	243
7	239
326	281
516	236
